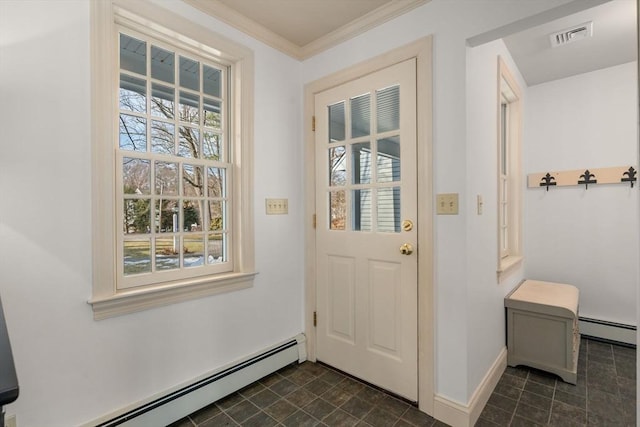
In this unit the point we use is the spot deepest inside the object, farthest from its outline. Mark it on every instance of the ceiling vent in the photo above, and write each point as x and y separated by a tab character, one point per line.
571	35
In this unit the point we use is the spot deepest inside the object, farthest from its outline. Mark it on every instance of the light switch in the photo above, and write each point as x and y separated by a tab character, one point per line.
447	204
277	206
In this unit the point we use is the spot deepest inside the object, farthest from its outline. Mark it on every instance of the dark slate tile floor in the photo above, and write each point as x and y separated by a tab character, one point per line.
312	394
308	394
605	393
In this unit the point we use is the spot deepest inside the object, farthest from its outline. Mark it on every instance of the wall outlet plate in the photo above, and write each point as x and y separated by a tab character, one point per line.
277	206
447	204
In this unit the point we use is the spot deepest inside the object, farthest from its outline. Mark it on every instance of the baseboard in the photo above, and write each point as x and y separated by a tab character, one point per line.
459	415
608	331
483	392
171	405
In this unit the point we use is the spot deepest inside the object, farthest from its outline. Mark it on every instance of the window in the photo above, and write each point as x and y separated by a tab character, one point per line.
173	164
172	157
373	166
505	247
509	186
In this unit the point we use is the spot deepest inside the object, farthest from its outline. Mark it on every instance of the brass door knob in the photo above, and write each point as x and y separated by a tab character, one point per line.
406	249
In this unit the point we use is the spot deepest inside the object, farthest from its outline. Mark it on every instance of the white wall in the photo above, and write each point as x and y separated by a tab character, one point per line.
588	238
486	319
451	23
71	368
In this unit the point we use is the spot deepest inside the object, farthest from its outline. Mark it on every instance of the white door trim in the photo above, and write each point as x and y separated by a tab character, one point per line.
422	51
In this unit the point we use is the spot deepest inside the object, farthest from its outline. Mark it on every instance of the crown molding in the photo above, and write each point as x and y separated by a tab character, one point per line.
366	22
248	26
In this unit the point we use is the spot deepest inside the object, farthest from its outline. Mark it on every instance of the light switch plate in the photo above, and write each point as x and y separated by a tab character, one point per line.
447	204
10	421
277	206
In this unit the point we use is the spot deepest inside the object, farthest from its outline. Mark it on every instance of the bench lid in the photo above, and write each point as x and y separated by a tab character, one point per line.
545	293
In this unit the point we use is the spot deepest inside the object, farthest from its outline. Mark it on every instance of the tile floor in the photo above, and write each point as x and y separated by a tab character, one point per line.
605	394
315	395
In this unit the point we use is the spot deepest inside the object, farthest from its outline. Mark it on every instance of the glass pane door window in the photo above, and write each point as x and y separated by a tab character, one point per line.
363	152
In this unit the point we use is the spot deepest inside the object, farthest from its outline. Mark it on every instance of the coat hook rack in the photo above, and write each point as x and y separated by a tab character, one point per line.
600	176
547	181
631	176
587	179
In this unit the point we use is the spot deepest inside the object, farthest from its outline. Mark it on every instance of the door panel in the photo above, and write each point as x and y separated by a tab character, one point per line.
342	304
385	300
365	188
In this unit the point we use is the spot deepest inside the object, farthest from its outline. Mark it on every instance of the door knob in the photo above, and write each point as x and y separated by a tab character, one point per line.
406	249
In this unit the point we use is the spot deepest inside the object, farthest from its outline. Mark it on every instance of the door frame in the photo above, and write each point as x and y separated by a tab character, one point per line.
421	50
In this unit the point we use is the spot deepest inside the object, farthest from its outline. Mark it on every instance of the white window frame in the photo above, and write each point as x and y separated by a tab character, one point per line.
107	18
509	171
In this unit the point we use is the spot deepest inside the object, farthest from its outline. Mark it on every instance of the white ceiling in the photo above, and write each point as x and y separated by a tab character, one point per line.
302	28
614	42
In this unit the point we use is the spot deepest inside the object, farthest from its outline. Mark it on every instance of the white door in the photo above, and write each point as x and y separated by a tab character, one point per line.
366	237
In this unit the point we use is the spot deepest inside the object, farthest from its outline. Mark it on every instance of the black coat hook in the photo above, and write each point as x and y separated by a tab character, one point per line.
587	179
631	176
547	181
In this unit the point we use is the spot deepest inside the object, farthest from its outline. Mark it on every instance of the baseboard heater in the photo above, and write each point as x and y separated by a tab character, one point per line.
186	399
608	331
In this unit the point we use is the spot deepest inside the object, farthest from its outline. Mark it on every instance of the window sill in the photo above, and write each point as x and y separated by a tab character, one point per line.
508	264
132	300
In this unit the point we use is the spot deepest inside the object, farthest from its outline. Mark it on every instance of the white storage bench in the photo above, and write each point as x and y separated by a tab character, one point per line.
542	328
